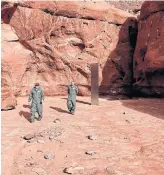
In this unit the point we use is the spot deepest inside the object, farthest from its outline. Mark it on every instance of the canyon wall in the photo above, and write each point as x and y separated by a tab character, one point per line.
54	43
149	53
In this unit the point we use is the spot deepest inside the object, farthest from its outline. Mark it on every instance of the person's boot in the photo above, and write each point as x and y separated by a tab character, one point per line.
40	118
32	121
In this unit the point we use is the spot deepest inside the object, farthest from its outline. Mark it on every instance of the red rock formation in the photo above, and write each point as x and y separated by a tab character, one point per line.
118	70
14	58
149	52
54	43
61	39
151	7
8	100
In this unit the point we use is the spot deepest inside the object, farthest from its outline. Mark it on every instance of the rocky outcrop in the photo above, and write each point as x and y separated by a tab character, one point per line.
149	52
118	69
151	7
54	43
8	100
59	40
15	57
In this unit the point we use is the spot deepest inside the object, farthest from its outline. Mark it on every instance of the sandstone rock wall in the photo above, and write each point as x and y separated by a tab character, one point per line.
59	41
55	42
8	100
118	69
149	52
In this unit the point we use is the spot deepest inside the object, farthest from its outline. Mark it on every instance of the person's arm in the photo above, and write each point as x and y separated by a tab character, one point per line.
68	89
30	96
76	90
42	93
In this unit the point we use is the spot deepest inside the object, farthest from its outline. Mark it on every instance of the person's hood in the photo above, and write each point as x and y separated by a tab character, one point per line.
38	88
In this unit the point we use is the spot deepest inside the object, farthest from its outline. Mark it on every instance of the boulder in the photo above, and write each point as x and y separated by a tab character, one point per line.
8	100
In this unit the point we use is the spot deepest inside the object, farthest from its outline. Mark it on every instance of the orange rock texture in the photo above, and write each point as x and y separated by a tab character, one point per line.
55	42
149	53
59	41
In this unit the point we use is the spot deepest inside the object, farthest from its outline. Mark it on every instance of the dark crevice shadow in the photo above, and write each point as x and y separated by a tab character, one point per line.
26	106
8	109
59	109
12	41
153	107
79	101
25	114
117	71
8	12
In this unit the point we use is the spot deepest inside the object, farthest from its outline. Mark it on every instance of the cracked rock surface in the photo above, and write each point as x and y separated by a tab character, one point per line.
55	42
148	58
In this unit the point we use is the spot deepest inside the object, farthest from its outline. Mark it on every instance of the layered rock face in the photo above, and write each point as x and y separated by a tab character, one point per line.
149	52
57	41
8	100
118	69
14	61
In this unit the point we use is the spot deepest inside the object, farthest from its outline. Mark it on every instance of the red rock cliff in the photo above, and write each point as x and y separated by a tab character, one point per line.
149	53
56	41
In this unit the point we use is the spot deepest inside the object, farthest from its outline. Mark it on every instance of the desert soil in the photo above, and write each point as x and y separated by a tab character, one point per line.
128	138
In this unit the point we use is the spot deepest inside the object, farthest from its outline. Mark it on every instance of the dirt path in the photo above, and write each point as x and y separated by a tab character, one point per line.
129	138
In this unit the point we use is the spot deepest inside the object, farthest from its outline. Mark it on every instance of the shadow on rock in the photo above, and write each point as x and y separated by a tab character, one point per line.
7	11
25	114
8	109
59	109
117	71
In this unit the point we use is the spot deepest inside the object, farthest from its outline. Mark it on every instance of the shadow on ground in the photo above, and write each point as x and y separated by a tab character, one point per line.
86	103
59	109
79	101
113	98
153	107
25	114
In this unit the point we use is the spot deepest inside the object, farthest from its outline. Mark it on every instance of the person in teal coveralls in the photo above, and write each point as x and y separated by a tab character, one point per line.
37	97
71	101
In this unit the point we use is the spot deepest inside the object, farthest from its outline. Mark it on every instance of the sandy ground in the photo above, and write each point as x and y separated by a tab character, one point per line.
129	138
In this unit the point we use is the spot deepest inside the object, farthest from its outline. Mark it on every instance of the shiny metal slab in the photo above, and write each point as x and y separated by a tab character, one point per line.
94	84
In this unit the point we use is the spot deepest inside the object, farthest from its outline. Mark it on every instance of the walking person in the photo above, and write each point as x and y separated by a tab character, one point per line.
37	97
71	101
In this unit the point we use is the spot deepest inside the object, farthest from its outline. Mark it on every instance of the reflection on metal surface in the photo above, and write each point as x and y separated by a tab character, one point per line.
94	84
